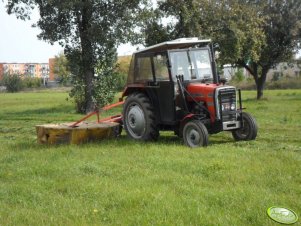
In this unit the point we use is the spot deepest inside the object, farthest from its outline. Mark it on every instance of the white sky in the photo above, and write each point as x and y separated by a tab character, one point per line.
19	42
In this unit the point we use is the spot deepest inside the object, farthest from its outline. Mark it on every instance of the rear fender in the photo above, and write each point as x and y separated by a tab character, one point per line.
141	88
132	89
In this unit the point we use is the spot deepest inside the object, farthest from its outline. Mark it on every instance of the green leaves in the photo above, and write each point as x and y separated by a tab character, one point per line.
89	30
13	82
61	68
252	34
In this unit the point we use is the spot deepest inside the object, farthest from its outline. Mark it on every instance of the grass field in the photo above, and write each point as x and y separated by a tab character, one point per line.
122	182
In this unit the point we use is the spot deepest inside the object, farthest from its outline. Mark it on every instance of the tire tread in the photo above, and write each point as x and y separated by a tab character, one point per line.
152	132
253	127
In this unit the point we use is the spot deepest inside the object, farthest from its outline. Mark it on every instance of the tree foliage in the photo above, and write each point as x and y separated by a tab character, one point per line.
233	25
253	34
122	69
88	29
104	83
282	29
61	68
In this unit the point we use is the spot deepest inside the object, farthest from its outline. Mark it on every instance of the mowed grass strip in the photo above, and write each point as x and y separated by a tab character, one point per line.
123	182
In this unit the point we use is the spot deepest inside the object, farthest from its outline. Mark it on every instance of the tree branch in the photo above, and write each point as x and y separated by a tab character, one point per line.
247	67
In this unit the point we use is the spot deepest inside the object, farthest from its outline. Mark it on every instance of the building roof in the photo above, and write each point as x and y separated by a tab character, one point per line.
174	44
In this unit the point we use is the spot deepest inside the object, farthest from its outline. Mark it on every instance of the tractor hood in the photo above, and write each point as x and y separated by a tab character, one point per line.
201	91
206	93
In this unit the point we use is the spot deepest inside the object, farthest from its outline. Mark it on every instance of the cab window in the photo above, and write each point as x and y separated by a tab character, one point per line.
193	64
143	69
180	64
160	65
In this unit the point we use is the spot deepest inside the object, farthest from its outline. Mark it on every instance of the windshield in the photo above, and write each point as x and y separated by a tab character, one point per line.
192	64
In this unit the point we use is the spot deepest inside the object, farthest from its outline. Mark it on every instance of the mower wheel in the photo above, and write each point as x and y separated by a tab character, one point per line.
139	118
195	134
248	130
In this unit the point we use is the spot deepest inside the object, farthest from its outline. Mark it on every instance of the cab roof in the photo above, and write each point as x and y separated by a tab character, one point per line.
175	44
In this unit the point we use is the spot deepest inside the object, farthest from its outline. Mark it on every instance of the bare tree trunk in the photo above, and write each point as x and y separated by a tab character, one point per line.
89	104
260	82
259	88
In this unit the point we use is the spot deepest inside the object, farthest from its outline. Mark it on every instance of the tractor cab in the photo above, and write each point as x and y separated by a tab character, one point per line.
191	58
174	86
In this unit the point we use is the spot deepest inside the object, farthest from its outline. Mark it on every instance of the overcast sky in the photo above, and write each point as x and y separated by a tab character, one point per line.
19	42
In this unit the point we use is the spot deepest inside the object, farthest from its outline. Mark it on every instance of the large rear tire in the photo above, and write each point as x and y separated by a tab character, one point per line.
195	134
248	130
139	118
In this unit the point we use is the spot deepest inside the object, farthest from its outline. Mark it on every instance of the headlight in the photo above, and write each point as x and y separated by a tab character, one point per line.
228	107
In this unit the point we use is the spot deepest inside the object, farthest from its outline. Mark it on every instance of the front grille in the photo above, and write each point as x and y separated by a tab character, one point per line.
227	97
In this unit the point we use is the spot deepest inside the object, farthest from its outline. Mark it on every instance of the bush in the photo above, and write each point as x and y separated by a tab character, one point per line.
104	88
16	82
282	83
78	93
120	81
13	82
121	69
239	75
285	83
30	82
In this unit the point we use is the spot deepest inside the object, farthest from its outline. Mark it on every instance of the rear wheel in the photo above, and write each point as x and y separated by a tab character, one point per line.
195	134
139	118
248	131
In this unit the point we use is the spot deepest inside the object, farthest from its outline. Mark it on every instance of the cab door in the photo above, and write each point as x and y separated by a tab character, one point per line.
165	89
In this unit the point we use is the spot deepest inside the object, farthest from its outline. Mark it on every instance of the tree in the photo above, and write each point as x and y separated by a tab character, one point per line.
88	29
234	25
12	82
252	34
61	68
282	28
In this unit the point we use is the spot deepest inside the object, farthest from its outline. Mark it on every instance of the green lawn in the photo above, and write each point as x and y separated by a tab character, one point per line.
122	182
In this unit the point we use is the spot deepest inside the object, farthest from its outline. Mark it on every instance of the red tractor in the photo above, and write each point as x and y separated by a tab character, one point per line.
174	86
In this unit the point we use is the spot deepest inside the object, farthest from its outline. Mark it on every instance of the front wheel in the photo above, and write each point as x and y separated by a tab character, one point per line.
139	118
195	134
248	131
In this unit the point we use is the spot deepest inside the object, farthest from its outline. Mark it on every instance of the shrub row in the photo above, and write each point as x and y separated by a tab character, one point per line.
15	82
285	83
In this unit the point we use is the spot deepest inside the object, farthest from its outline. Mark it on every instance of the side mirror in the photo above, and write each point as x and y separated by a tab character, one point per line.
223	81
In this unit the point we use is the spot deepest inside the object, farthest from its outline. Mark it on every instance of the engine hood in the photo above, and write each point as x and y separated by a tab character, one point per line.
206	93
201	91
